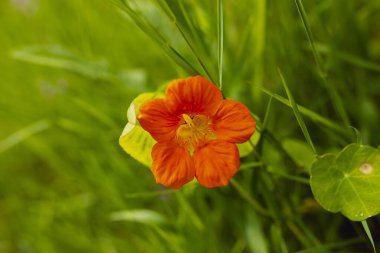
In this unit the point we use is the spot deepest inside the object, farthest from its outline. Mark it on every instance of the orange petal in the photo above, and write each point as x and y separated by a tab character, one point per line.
172	165
216	162
193	95
233	122
155	118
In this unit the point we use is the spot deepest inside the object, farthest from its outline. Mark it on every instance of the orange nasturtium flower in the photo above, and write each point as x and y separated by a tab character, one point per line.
196	132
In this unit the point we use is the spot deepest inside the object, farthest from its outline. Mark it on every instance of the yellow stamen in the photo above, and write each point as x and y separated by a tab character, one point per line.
188	120
194	131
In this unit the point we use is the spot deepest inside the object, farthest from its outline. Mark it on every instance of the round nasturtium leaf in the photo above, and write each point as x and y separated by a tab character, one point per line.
247	147
137	142
348	182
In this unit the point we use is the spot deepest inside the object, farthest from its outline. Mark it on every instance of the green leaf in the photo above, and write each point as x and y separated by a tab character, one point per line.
137	142
348	182
247	147
299	151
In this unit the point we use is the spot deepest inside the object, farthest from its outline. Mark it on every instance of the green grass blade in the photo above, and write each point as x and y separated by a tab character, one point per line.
336	99
140	195
23	134
250	165
186	206
239	246
57	56
266	117
157	193
94	112
358	136
163	4
220	42
152	32
278	239
337	102
143	216
307	231
257	241
178	15
259	39
305	22
353	59
298	233
247	196
310	114
368	232
330	246
298	114
298	179
196	54
198	41
177	57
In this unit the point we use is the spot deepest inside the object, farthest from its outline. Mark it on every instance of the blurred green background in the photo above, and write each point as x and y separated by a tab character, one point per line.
69	70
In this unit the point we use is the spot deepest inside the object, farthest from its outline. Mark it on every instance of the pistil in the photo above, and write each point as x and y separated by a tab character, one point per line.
194	131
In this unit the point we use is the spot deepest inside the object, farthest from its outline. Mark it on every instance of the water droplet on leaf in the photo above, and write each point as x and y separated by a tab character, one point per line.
366	168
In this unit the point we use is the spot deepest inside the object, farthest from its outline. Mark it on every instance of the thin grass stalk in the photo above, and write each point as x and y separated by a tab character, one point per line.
220	42
336	99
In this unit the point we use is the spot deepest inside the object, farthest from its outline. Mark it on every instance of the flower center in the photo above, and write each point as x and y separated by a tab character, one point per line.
194	131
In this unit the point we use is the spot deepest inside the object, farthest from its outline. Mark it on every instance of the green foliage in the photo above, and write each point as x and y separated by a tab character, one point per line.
23	134
298	115
368	232
70	69
137	142
348	182
247	147
148	217
58	57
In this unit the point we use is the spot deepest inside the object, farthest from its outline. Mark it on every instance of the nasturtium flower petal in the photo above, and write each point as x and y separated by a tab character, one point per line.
157	120
172	165
233	122
193	95
216	162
